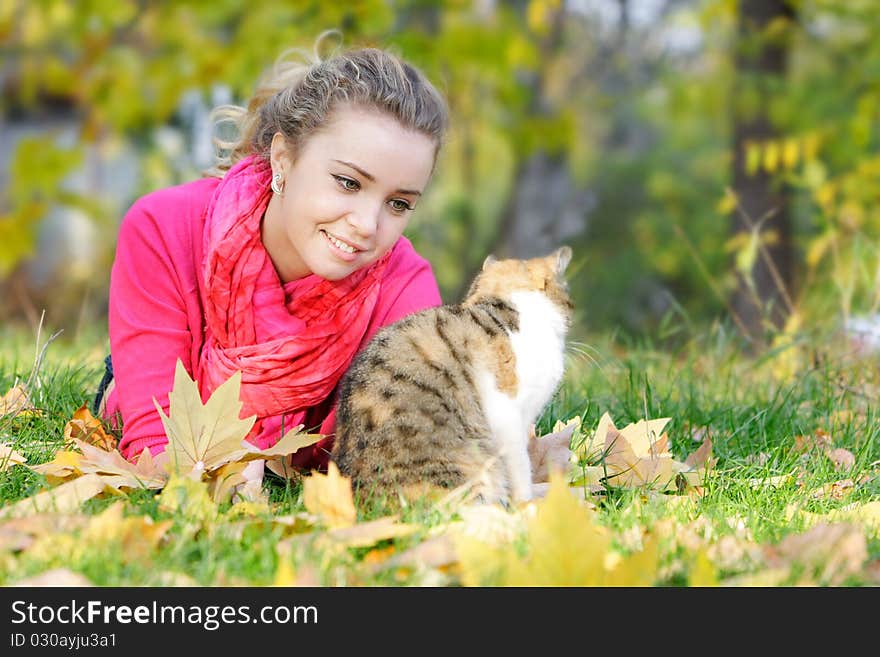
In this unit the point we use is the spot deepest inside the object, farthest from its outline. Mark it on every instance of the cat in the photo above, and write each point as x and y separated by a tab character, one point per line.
446	397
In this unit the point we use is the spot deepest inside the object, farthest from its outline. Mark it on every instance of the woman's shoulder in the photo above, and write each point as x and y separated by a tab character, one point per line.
405	258
169	205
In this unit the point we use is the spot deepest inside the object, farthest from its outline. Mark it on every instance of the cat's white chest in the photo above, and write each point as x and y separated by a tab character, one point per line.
539	347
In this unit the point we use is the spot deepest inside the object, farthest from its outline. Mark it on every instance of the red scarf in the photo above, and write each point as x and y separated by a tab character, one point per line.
290	373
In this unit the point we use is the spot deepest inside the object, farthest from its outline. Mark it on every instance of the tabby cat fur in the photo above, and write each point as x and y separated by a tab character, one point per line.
446	397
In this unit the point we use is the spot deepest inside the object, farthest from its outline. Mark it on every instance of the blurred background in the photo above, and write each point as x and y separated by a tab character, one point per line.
708	160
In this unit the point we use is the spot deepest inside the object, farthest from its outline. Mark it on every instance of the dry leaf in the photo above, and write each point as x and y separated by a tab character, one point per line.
87	428
835	490
20	533
830	553
552	451
329	496
16	402
638	455
491	523
436	552
66	498
365	534
189	498
291	442
843	459
14	541
565	547
113	467
9	457
865	513
820	440
64	466
635	459
202	437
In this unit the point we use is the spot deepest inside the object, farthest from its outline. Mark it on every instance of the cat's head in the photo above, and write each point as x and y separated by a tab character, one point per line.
500	278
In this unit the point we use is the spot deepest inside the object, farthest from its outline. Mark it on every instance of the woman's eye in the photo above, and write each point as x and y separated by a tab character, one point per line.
399	205
348	184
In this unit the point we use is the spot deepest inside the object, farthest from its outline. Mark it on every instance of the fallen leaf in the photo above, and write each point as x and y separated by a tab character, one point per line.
842	459
564	547
9	457
291	442
693	471
144	473
593	446
63	466
865	513
629	468
435	552
820	440
553	450
189	498
65	498
365	534
638	456
14	541
16	402
490	523
202	437
829	553
835	490
286	574
22	531
137	536
87	428
55	577
329	496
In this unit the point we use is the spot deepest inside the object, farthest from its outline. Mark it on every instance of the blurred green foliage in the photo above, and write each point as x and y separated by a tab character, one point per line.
641	123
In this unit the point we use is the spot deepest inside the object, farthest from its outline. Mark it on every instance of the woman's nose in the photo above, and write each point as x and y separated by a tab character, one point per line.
364	220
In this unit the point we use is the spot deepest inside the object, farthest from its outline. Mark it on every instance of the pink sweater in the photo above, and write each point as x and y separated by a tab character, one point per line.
156	315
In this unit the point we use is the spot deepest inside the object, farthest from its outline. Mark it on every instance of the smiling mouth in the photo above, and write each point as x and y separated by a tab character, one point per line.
339	244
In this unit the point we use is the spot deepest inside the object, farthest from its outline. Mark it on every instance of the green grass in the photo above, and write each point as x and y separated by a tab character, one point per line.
752	406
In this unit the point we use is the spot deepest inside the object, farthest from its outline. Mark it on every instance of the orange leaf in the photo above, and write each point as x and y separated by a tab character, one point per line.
87	428
820	440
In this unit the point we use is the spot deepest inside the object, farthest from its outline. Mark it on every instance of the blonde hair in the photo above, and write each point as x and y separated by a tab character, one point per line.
298	96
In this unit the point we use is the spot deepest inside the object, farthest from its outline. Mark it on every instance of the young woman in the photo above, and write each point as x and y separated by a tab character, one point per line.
285	263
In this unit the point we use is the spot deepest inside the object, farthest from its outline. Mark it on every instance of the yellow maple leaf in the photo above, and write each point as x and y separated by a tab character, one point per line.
188	497
202	437
329	496
564	546
137	536
63	467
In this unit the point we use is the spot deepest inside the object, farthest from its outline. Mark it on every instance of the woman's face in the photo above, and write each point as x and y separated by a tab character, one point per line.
347	197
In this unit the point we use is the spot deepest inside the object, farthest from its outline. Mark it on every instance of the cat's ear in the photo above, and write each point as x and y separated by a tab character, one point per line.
489	260
563	257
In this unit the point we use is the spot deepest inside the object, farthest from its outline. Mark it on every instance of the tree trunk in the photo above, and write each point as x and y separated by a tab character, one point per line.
763	295
544	207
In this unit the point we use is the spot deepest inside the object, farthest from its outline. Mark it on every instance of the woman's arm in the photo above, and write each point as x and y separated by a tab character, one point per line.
150	290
